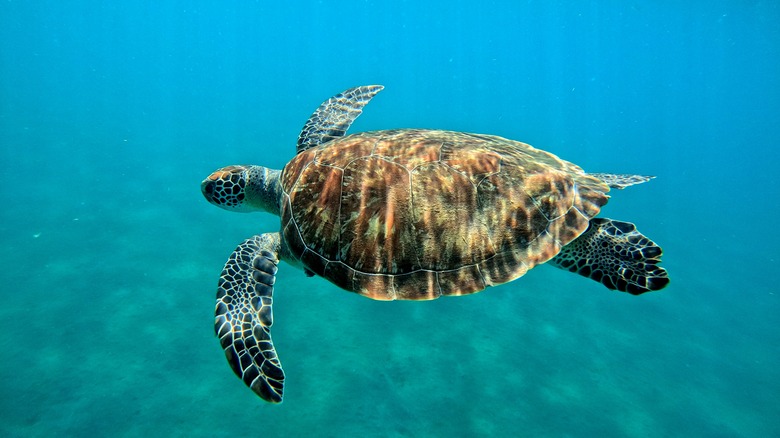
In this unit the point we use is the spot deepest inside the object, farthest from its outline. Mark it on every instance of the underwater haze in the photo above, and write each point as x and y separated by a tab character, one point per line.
111	114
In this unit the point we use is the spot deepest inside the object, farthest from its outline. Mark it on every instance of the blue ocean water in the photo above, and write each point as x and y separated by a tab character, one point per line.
111	113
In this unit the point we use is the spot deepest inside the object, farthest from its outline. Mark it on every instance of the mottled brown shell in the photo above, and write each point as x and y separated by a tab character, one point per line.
416	214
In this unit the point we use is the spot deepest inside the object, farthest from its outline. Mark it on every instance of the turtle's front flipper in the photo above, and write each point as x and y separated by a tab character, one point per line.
335	115
617	255
244	315
621	181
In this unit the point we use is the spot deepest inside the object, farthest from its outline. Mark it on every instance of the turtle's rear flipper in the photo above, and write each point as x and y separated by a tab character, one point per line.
244	315
617	255
621	181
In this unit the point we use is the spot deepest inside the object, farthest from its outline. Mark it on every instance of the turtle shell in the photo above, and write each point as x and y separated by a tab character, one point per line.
416	214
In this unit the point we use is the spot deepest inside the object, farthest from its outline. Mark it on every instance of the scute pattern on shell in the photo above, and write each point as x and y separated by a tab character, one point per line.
416	214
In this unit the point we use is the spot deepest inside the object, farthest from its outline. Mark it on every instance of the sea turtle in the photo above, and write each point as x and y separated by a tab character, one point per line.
412	214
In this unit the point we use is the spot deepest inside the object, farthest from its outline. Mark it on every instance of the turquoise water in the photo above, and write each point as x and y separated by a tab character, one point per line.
111	115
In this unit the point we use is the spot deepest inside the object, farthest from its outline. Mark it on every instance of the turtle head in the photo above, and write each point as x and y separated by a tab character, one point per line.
243	188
